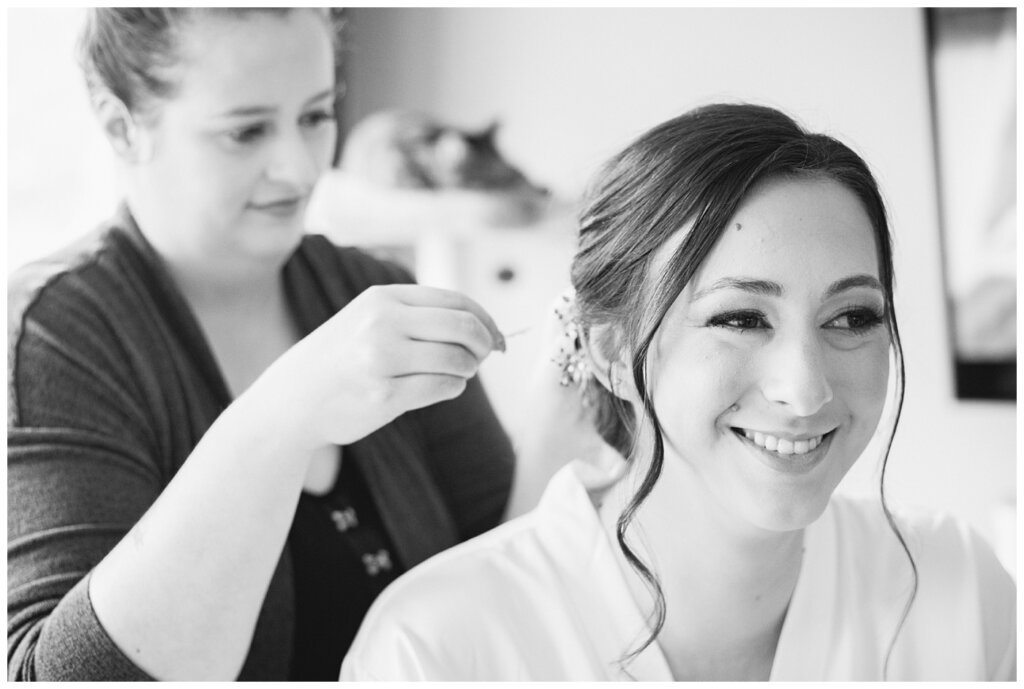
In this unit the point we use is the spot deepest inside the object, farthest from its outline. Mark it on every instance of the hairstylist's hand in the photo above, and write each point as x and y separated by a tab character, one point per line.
392	349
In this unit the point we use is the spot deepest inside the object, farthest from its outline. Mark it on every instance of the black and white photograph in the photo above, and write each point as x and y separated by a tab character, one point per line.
566	343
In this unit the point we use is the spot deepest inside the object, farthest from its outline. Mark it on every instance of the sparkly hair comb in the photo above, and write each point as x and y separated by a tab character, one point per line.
571	358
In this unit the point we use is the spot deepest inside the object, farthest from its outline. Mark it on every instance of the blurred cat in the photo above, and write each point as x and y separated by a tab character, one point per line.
407	149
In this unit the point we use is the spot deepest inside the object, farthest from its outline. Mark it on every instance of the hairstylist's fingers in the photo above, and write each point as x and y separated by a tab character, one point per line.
423	389
453	326
423	296
416	357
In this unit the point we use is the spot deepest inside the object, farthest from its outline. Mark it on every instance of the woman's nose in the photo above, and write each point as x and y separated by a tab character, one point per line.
796	375
294	162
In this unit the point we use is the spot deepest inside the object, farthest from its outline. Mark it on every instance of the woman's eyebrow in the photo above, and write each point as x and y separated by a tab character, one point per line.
861	280
333	92
762	287
255	110
768	288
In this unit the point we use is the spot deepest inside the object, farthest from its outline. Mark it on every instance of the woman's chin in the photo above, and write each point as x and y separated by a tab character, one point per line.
273	243
783	514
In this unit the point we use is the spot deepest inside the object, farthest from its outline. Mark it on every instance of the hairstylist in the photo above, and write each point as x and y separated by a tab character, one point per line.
225	436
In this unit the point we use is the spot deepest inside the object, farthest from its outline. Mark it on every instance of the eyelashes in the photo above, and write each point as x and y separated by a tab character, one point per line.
252	133
860	320
247	135
740	321
856	320
318	117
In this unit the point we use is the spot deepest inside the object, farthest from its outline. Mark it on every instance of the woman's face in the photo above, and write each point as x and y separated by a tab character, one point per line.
770	370
235	152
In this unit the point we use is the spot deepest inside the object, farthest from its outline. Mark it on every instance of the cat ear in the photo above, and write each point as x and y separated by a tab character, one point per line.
491	130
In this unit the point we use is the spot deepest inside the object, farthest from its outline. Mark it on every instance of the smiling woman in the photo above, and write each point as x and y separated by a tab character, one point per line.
734	305
786	345
227	436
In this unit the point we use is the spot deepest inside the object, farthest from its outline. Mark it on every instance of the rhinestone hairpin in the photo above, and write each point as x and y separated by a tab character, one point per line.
571	358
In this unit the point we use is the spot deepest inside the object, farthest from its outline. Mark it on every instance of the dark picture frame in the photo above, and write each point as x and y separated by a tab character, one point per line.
972	72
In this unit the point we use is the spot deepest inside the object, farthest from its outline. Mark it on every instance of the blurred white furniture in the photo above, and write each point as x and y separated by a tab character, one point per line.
508	252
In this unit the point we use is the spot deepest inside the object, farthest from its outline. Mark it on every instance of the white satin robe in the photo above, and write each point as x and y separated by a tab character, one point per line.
541	598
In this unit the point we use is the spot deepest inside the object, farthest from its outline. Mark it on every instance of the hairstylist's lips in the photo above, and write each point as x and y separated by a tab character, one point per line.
285	207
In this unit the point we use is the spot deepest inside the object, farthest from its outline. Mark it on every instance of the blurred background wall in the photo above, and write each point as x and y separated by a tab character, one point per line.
572	86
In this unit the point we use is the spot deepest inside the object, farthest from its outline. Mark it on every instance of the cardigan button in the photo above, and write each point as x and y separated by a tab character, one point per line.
376	563
344	519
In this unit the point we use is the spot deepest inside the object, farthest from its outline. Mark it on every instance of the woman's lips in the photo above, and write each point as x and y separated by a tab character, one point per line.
786	459
781	444
281	208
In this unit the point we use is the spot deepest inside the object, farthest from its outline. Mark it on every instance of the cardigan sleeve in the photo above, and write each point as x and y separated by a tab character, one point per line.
79	476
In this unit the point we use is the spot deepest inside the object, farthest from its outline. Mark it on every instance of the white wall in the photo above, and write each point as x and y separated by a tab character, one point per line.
574	85
60	172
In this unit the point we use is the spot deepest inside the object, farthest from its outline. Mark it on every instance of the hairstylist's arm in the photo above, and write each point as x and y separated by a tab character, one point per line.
180	594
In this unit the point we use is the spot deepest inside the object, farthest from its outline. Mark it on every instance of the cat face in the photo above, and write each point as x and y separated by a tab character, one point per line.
412	150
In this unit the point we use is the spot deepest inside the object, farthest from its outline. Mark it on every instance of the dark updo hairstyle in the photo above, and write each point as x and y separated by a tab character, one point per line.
697	168
130	51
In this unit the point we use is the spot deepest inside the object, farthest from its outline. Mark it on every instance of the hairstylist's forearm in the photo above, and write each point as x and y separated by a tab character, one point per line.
180	594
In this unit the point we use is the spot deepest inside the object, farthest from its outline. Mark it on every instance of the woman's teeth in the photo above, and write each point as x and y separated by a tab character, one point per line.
781	445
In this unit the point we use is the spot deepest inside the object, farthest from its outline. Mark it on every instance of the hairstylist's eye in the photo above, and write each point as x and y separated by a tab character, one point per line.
740	321
317	118
248	134
856	321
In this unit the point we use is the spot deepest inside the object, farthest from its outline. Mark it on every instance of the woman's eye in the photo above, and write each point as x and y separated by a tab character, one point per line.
247	134
856	320
740	321
317	118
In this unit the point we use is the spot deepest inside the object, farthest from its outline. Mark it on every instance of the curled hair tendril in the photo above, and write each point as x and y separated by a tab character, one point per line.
900	388
656	619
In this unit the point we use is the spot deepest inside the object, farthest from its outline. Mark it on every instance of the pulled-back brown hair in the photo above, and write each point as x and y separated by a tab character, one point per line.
129	51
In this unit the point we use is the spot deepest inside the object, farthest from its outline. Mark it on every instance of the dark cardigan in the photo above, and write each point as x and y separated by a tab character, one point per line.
111	384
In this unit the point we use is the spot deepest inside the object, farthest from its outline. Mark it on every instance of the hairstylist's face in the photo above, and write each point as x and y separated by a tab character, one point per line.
785	321
235	152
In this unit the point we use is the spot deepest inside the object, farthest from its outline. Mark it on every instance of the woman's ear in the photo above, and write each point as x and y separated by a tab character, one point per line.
610	370
120	128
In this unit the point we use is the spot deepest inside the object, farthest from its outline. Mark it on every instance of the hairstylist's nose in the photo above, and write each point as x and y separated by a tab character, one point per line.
293	162
796	376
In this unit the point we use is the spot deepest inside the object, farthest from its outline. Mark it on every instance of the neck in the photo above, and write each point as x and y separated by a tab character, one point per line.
210	280
239	293
727	583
